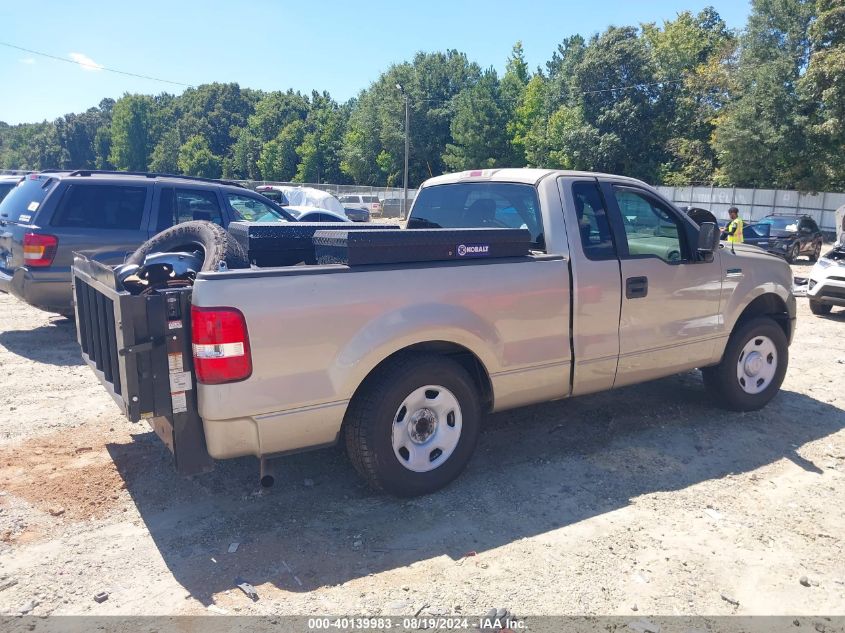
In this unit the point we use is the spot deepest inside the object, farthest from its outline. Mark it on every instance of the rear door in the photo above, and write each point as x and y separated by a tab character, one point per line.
183	204
107	220
670	315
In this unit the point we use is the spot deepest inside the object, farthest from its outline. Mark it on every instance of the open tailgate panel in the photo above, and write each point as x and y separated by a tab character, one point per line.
139	347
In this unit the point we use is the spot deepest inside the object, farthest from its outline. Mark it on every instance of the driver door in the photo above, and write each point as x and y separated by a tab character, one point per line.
670	317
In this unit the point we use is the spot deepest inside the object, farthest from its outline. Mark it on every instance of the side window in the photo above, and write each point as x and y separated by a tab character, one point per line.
593	224
183	205
650	227
102	207
252	209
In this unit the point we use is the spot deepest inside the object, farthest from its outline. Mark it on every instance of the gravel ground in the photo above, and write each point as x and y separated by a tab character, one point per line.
644	500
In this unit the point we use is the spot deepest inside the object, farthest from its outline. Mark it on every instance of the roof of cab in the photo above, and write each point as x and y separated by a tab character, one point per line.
527	175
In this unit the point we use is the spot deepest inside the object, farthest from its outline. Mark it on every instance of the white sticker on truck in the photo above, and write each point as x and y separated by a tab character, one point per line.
180	381
179	402
174	363
33	206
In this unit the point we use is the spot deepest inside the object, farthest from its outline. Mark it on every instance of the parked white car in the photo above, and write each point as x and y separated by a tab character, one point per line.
370	203
826	286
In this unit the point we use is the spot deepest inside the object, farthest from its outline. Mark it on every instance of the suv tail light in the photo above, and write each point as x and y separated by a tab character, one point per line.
221	345
39	250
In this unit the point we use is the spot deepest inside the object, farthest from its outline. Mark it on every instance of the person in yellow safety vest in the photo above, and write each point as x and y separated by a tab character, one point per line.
734	229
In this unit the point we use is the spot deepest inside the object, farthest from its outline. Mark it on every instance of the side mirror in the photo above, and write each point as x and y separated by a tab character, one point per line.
708	237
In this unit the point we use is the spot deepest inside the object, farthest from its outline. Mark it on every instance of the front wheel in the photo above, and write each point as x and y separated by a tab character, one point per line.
817	250
794	252
820	309
413	425
752	368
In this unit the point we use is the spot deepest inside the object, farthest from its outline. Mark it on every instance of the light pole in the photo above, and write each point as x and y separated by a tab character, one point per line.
407	140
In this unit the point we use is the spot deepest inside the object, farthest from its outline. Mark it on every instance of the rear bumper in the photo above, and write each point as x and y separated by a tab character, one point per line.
48	290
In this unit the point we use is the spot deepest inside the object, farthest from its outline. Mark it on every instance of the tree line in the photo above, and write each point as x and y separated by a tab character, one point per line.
689	101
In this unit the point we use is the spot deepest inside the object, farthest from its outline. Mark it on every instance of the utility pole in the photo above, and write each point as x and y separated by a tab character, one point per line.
407	147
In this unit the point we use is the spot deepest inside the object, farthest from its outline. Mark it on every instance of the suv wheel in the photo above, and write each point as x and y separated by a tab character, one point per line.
817	250
794	252
820	309
752	368
413	425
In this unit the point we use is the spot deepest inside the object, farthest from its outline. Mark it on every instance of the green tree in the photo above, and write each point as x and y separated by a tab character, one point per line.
279	160
479	127
197	159
766	117
165	156
823	88
512	90
131	125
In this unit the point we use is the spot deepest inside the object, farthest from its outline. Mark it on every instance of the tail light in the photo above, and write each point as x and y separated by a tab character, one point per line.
39	250
221	345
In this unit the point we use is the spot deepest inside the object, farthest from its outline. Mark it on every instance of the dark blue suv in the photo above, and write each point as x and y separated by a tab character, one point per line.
51	214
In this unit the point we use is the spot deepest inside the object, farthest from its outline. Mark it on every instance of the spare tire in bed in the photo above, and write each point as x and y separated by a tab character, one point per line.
216	244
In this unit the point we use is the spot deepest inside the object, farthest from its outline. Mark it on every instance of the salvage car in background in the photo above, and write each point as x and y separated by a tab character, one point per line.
826	285
49	215
793	236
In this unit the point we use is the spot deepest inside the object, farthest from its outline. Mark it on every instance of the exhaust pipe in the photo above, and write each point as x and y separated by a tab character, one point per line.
266	473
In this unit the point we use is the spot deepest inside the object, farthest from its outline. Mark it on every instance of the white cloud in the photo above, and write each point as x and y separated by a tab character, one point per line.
29	61
86	62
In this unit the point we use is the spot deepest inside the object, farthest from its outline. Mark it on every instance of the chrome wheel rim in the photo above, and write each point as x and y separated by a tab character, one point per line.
757	364
426	428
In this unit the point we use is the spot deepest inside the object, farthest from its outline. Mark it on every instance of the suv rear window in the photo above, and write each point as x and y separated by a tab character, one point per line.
23	201
479	205
369	199
101	207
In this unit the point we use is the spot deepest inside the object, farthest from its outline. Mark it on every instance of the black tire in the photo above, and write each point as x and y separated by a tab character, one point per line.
721	380
819	308
817	249
794	253
368	425
217	245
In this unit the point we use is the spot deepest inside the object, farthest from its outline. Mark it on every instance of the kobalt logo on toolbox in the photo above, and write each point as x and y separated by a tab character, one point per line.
473	250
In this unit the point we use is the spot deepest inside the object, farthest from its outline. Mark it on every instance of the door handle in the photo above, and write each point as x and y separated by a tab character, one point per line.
636	287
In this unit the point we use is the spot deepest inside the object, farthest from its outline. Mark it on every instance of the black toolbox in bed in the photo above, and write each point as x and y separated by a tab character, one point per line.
287	243
418	245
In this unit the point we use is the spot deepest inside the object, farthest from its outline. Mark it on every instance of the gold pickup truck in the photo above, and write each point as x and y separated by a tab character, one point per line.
401	361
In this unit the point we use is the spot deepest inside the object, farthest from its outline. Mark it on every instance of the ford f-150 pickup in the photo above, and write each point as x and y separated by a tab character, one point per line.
400	361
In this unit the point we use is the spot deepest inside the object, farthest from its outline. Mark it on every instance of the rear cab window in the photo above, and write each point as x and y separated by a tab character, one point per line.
116	207
480	205
22	203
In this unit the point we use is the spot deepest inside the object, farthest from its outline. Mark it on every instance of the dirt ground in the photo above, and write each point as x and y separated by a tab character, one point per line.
648	499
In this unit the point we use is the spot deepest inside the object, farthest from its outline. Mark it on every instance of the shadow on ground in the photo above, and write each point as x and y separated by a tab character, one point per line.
535	469
53	344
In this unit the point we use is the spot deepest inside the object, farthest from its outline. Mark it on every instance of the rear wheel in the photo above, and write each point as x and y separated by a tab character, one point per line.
819	308
817	250
413	425
752	368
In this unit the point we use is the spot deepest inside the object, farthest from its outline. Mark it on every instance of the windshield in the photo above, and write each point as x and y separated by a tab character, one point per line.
21	203
781	224
254	210
479	205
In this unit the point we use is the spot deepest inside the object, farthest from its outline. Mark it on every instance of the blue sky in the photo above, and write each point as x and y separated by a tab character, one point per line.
270	45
